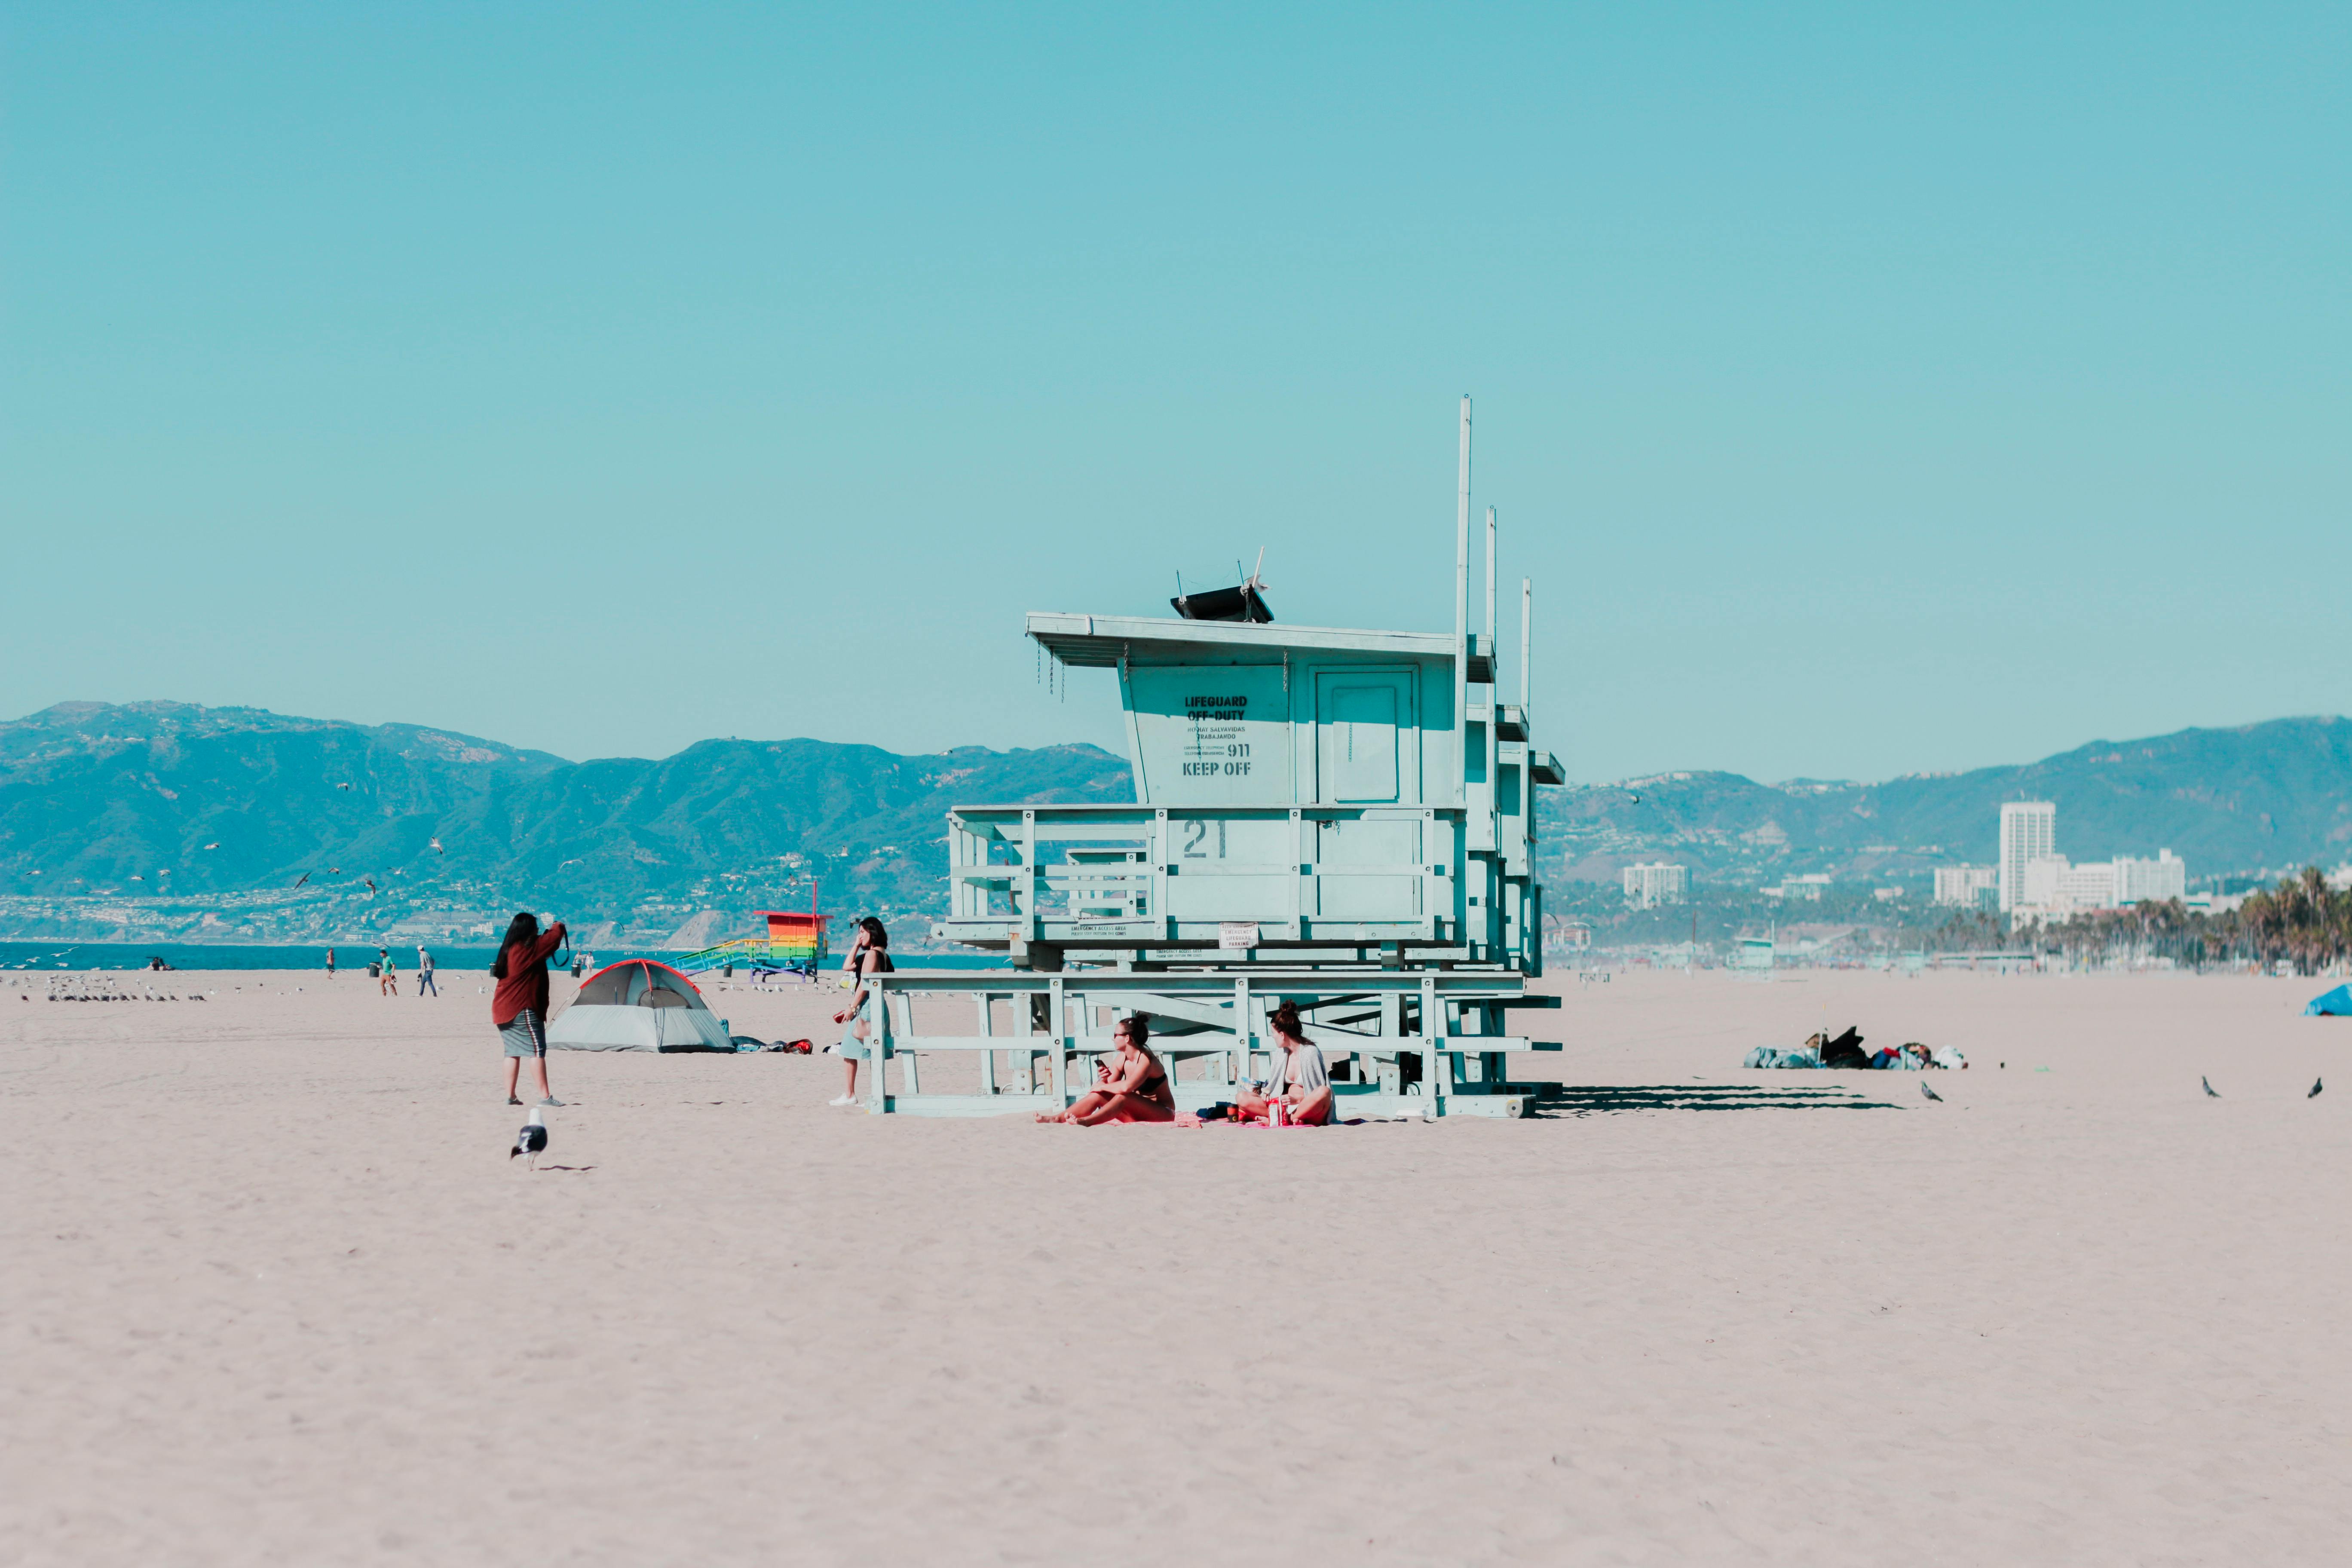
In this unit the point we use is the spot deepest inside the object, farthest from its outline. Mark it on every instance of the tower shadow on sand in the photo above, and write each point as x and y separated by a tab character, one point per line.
1575	1099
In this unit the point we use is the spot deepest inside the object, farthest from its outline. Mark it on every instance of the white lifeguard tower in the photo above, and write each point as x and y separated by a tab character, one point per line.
1342	818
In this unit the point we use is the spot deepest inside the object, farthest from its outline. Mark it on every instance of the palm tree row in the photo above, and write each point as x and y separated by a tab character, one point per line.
2303	921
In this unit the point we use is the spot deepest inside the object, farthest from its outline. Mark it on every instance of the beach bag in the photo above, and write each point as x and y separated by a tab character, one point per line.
1846	1051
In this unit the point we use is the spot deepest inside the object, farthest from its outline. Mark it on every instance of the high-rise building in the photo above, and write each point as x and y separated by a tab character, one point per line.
1971	886
2029	831
1651	883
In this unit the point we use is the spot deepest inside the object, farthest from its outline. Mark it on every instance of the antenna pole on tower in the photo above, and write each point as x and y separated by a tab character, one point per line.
1462	541
1491	649
1527	643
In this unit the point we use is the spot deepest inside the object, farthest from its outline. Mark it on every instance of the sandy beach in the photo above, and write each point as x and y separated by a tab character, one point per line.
274	1294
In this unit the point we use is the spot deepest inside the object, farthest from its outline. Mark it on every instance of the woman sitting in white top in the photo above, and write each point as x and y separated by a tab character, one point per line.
1301	1082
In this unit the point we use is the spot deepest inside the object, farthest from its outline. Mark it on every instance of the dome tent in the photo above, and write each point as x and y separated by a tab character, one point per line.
637	1005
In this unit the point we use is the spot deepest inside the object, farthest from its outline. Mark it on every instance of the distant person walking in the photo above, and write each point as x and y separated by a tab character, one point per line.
388	982
424	975
331	963
870	956
519	1006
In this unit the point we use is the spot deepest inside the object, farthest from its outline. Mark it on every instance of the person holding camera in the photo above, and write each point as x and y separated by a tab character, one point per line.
518	1008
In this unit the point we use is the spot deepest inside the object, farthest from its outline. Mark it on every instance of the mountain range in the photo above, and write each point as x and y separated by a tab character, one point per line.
2253	799
207	818
165	819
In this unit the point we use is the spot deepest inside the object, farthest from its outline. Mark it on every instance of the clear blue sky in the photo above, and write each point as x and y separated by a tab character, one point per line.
1864	394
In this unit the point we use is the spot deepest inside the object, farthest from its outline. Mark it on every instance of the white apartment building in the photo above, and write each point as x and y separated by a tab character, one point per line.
1966	885
1651	883
2029	831
2056	888
2165	877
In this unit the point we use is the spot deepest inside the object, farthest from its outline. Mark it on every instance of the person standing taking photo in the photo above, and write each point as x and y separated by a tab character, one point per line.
518	1008
871	955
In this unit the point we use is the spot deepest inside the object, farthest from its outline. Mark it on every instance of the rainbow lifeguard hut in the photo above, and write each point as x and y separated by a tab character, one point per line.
1337	818
792	943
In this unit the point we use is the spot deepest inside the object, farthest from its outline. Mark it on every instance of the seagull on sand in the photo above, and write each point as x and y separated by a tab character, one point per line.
532	1140
2314	1089
1929	1092
2208	1087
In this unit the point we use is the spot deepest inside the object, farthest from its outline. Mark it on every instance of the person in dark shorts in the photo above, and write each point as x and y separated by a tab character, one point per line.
519	1006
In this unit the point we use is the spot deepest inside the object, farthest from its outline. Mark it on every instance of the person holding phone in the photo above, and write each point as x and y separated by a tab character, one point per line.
1132	1085
518	1008
871	955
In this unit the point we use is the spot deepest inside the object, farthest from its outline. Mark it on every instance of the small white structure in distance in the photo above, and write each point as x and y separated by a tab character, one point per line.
1967	887
1649	884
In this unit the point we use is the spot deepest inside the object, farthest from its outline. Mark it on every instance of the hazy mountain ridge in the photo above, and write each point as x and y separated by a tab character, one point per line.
2254	797
166	802
190	821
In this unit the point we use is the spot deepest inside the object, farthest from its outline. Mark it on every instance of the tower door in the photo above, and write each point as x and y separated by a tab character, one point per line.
1366	747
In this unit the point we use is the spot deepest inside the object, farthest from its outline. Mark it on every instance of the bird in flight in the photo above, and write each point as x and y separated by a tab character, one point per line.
302	878
2315	1084
2208	1087
342	786
1929	1092
211	845
371	883
531	1140
436	844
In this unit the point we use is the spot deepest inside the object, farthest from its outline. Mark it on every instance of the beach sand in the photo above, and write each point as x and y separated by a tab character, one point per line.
273	1293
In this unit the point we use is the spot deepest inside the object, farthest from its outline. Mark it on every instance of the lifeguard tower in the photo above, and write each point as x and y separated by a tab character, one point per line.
1342	818
793	941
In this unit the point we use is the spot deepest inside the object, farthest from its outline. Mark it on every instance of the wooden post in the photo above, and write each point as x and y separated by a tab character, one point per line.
913	1067
1302	886
1057	1023
878	1047
1244	1030
1029	853
1434	1063
987	1057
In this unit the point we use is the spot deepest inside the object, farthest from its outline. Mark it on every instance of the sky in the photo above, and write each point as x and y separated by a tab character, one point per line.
1864	392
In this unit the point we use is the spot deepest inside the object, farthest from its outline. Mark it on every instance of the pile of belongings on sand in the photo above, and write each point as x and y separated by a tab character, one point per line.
1846	1051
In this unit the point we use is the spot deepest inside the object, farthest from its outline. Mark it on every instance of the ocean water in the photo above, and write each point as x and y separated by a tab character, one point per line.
67	956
